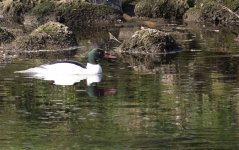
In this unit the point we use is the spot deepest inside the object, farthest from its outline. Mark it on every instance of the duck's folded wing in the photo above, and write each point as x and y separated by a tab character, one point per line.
73	62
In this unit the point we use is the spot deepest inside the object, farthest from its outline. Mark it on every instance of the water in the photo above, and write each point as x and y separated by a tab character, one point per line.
187	100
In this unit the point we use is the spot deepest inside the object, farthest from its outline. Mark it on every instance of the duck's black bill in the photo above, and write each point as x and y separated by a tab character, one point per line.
109	56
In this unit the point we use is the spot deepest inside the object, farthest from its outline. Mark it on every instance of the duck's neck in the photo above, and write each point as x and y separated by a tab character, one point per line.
92	60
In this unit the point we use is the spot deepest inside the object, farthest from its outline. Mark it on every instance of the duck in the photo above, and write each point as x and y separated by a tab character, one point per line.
68	72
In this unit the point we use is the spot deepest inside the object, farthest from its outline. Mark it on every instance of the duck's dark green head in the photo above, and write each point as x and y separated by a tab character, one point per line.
96	54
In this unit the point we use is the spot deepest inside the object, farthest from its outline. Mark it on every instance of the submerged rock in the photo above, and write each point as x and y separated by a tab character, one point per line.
52	35
5	36
149	41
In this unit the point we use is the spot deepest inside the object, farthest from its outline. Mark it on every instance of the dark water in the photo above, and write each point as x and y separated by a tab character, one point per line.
188	100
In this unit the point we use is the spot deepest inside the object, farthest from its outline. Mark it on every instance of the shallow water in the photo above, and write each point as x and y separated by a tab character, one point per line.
187	100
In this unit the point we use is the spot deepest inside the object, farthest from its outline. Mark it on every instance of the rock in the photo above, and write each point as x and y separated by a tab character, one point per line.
50	36
5	36
160	8
116	4
192	15
16	8
70	12
214	12
149	41
75	14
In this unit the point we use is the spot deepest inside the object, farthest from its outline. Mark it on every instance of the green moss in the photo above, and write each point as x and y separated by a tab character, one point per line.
19	8
213	12
64	8
82	12
52	35
149	41
5	36
192	15
161	8
232	4
44	8
208	8
51	28
84	7
191	3
144	8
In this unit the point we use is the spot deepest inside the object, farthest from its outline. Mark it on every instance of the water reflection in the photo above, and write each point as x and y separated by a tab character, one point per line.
94	91
40	101
66	79
149	63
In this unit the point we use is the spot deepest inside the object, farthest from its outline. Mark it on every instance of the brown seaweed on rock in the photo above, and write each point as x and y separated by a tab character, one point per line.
213	11
50	36
149	41
161	8
147	50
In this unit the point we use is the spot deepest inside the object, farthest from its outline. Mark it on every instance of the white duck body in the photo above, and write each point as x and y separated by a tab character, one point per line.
70	68
64	68
70	79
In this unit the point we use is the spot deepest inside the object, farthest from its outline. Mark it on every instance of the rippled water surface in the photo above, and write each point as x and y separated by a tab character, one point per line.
187	100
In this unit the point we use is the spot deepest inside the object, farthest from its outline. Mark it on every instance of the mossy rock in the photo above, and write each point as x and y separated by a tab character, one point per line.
214	12
72	12
15	8
161	8
6	36
76	13
232	4
44	8
192	15
50	36
149	41
19	8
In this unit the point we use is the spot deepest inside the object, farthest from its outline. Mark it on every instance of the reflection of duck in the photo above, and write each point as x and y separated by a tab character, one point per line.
70	79
70	72
94	91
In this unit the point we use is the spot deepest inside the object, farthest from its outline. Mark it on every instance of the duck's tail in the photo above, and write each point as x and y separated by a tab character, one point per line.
31	70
